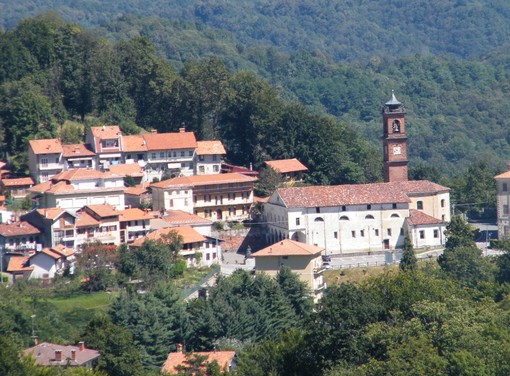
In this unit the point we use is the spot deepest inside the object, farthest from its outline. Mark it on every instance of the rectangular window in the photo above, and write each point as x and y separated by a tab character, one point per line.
191	166
162	155
183	165
436	234
201	169
190	153
362	233
353	234
442	203
44	162
298	221
214	157
153	155
394	206
369	207
376	231
419	205
175	154
505	209
505	187
171	203
216	168
344	208
402	231
335	235
182	154
422	234
317	210
389	232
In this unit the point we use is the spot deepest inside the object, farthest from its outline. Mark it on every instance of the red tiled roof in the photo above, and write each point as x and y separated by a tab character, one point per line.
210	148
106	132
63	250
84	219
198	180
50	213
419	186
17	229
78	174
42	187
44	354
104	210
77	150
179	217
289	247
134	143
132	169
17	182
18	264
164	141
504	175
417	217
175	359
188	234
46	146
135	191
134	214
50	253
286	165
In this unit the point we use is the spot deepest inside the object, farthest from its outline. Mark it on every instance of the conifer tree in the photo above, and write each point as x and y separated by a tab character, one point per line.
408	261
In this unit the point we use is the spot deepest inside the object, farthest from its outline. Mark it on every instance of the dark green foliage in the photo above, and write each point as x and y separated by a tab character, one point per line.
295	290
269	181
119	356
408	261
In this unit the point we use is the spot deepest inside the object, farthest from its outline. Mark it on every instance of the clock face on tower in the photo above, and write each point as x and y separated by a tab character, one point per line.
397	150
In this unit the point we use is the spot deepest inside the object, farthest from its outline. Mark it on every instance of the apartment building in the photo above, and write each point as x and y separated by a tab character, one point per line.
209	156
106	143
45	159
134	223
216	197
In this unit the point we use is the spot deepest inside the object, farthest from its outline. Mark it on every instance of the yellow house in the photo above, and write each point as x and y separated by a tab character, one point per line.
303	259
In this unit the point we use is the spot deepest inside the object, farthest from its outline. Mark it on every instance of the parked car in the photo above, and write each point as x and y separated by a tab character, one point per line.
326	258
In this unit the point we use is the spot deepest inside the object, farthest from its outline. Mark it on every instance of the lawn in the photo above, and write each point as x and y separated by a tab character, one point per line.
97	301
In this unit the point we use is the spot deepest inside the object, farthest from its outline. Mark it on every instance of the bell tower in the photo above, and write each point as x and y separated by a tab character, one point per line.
394	141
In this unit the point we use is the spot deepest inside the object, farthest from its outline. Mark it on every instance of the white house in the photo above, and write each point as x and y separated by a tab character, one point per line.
50	261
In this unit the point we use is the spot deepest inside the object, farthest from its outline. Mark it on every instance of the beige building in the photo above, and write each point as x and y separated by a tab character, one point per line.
292	170
303	259
217	197
503	202
208	157
45	158
355	217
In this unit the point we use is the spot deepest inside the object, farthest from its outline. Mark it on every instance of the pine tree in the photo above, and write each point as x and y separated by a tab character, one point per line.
408	261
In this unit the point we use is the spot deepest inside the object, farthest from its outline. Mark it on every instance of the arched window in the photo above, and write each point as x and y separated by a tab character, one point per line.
344	218
318	219
395	215
369	216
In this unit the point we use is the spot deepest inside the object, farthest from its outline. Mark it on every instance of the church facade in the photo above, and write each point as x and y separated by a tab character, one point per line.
357	218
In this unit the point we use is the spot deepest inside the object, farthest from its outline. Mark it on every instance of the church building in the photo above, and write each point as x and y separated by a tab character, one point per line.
357	218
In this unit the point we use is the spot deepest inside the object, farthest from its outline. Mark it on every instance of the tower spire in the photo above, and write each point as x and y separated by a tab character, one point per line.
394	140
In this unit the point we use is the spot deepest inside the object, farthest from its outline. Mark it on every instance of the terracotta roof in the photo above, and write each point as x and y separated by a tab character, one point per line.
103	210
78	174
134	214
60	187
18	229
84	219
179	217
42	187
164	141
18	264
339	195
198	180
225	167
189	235
174	359
44	354
286	165
419	186
77	150
63	250
134	143
50	253
106	132
135	191
504	175
46	146
289	247
132	169
16	182
50	213
210	148
417	217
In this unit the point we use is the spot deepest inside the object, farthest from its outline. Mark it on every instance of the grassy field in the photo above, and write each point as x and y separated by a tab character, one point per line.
356	275
98	301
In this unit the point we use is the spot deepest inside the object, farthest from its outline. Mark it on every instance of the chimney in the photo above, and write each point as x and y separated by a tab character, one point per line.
73	354
58	355
179	347
182	130
154	131
81	345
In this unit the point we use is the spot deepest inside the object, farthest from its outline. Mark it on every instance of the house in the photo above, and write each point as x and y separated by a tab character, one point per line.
106	143
303	259
134	223
50	354
57	226
175	218
107	231
76	188
354	217
424	230
209	156
217	197
137	197
78	156
225	359
19	236
18	266
503	202
227	168
133	170
17	188
45	159
291	169
192	244
50	262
